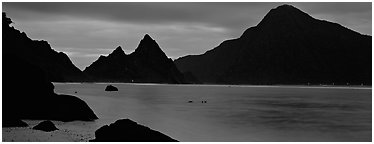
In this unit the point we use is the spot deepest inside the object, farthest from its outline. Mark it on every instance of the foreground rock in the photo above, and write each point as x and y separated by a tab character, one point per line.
77	109
14	123
34	99
125	130
111	88
45	126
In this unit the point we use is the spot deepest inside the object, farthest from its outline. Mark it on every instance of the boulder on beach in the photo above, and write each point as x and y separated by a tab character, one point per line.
45	126
125	130
14	123
77	109
111	88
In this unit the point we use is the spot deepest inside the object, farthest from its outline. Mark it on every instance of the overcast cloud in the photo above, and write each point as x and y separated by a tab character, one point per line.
86	30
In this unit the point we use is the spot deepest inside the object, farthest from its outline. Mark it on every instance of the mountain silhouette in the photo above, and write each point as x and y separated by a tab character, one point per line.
27	91
288	46
147	64
56	65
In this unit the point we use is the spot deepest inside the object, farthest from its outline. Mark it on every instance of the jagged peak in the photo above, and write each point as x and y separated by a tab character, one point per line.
149	46
146	43
117	51
147	37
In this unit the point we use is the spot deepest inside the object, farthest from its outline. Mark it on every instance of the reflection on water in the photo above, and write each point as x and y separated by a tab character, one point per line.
235	113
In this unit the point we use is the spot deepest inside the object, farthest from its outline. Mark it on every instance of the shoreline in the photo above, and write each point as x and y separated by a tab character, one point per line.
226	85
79	131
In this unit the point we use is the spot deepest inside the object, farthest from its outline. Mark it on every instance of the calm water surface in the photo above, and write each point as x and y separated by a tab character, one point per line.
234	113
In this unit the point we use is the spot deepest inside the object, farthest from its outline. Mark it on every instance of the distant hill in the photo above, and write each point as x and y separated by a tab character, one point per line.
287	47
56	65
147	64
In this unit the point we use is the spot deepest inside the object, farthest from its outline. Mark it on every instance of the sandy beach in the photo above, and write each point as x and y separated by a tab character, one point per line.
77	131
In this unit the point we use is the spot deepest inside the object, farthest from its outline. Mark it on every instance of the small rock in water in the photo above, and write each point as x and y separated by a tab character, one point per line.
190	101
46	126
111	88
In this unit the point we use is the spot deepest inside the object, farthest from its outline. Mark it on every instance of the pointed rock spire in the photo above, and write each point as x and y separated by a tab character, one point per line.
149	48
147	37
117	51
147	41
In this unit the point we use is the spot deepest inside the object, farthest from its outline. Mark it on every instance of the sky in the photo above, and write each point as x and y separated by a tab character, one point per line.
84	31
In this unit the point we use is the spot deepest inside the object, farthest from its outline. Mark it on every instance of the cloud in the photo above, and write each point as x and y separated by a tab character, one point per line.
335	8
228	15
233	16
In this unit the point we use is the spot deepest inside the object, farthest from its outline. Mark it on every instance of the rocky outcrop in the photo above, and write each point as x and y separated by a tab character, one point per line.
77	109
148	64
46	126
111	88
287	47
125	130
27	92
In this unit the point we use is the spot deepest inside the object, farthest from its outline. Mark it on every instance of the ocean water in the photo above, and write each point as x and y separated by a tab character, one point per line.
235	113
